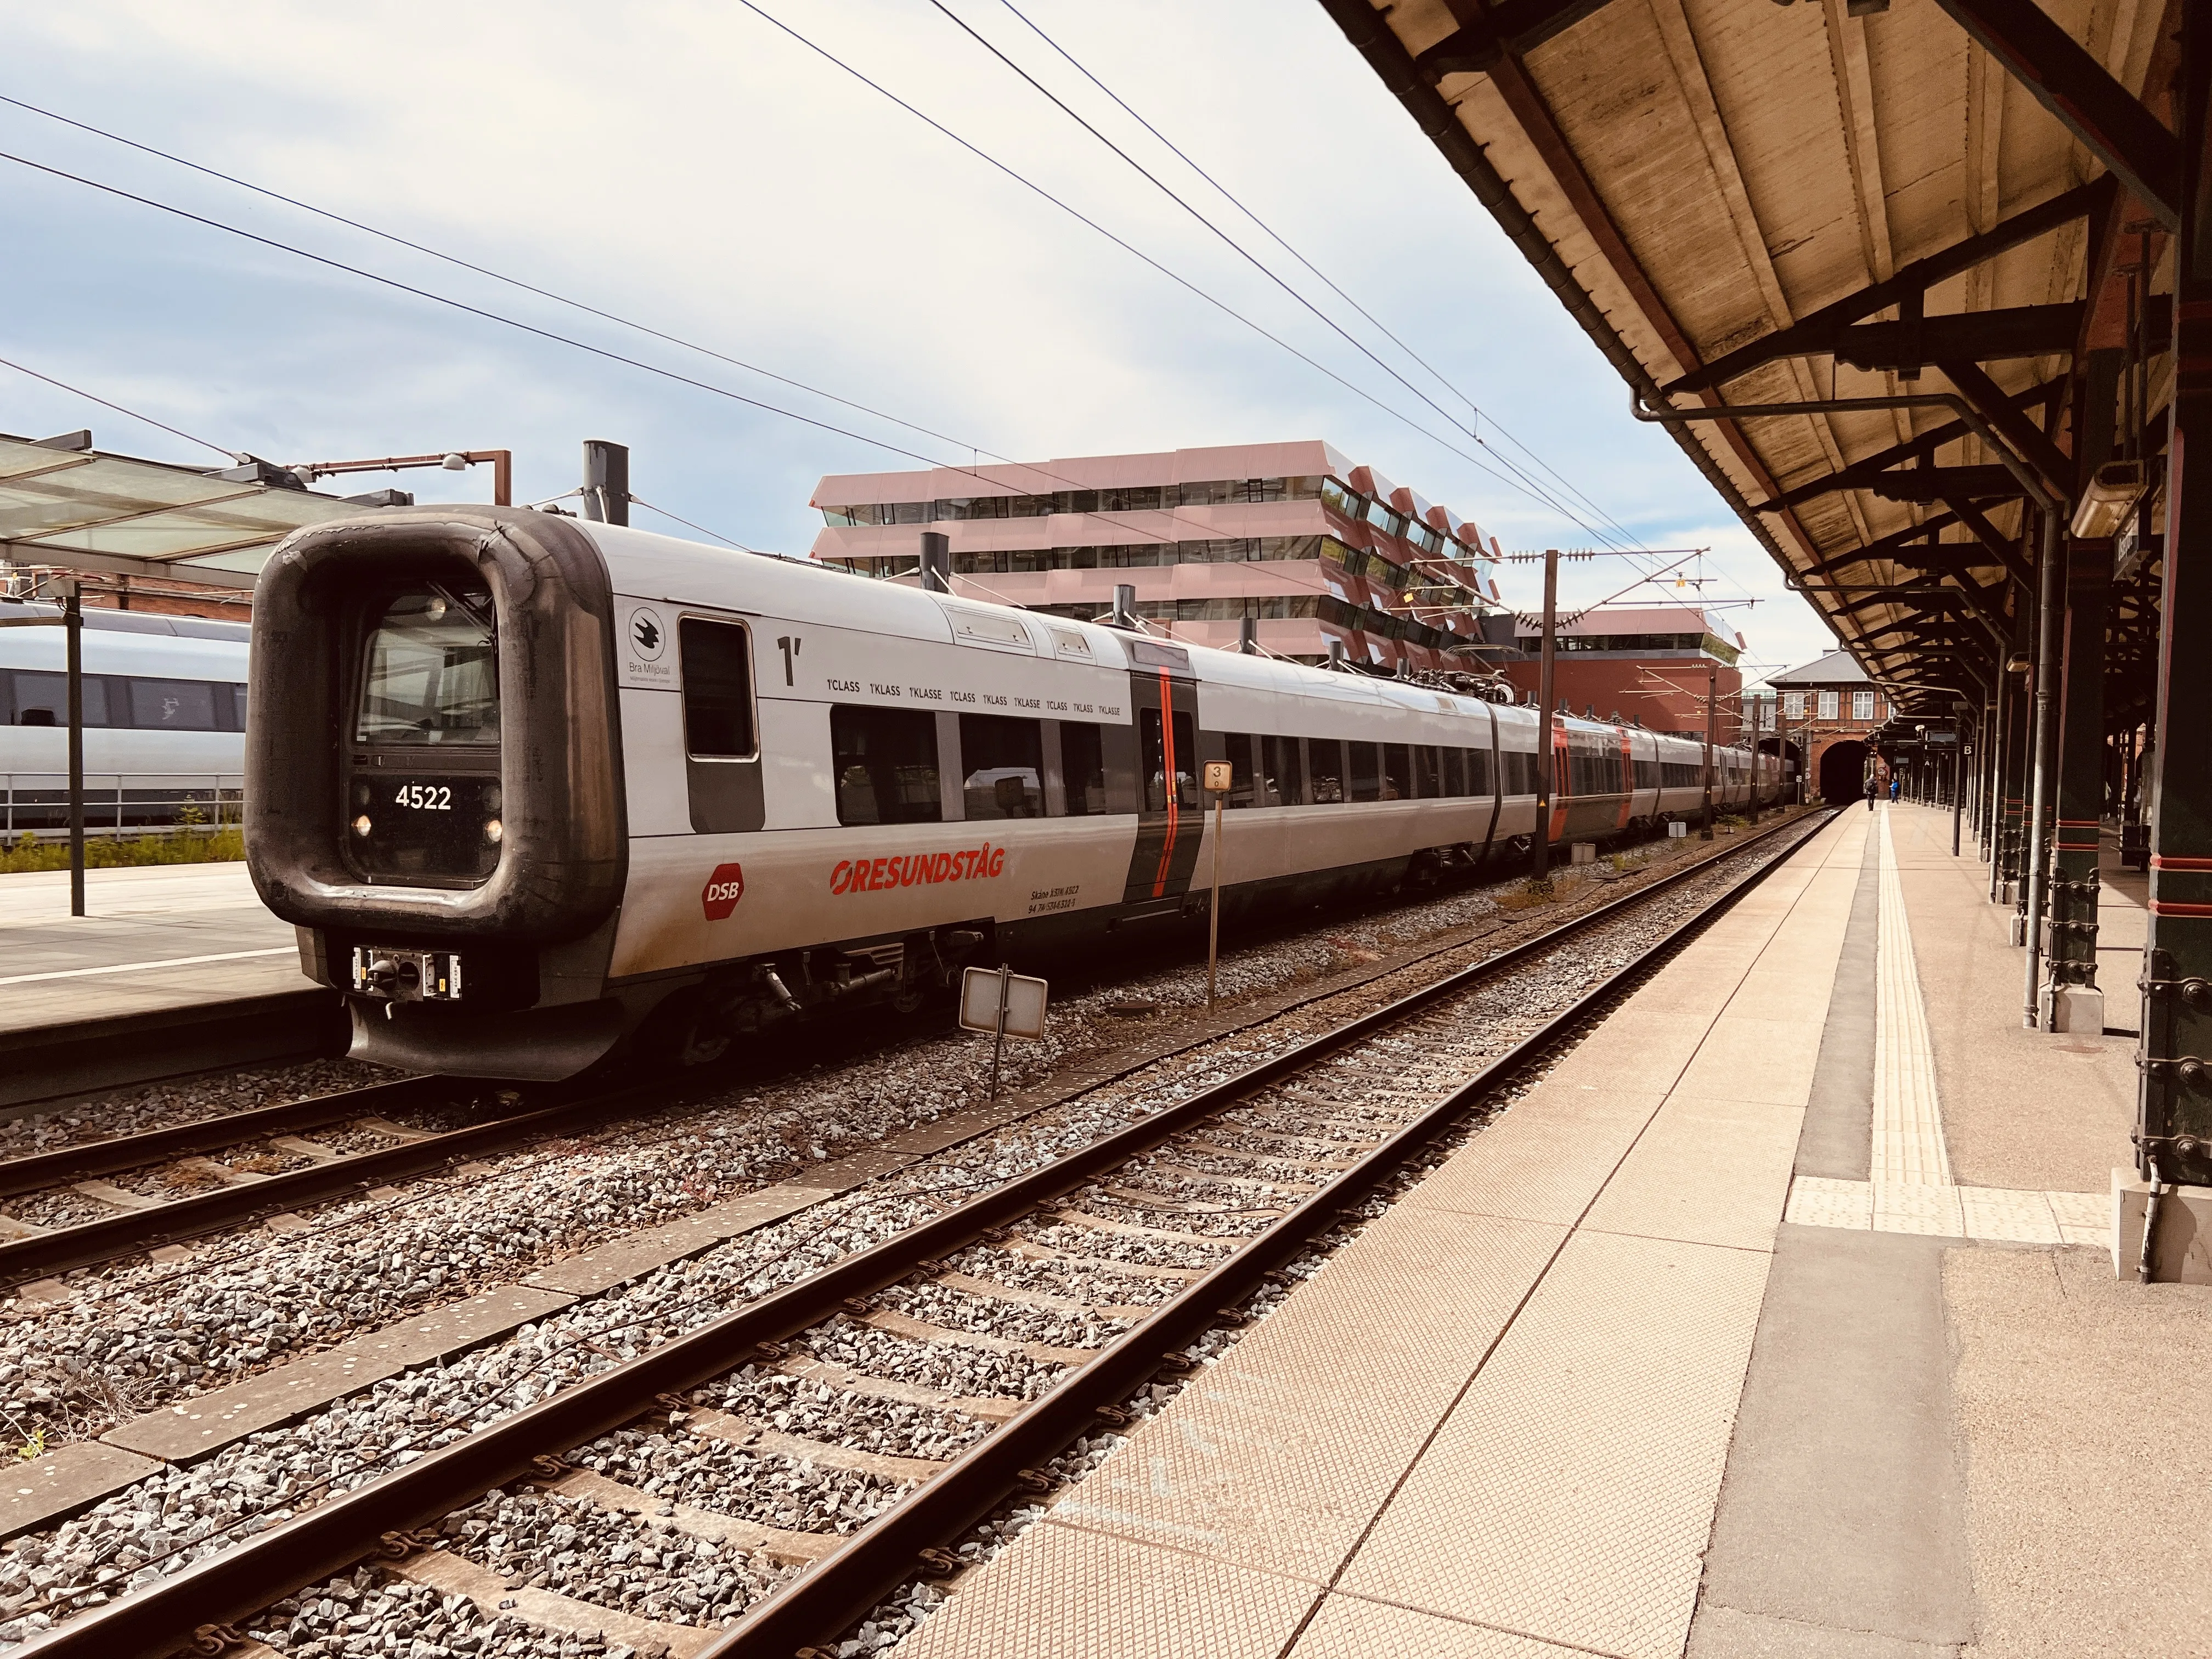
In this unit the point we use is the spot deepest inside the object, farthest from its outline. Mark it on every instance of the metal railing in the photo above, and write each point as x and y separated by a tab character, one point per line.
36	804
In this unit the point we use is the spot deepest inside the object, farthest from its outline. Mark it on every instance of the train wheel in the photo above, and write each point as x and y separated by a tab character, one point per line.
681	1033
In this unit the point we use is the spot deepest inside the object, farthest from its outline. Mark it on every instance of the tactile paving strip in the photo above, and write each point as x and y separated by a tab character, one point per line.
2000	1215
1571	1493
1908	1120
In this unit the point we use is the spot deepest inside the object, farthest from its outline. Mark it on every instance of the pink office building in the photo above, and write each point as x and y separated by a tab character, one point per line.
1310	549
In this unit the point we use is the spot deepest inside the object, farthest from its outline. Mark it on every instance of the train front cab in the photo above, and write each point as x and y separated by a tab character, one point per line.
433	783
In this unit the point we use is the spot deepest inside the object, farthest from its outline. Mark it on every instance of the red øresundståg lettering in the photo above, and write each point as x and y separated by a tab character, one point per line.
916	870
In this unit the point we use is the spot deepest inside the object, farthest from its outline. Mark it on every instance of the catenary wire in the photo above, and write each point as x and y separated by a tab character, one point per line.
483	271
1539	492
459	305
1174	515
658	334
595	311
1181	281
1230	196
149	420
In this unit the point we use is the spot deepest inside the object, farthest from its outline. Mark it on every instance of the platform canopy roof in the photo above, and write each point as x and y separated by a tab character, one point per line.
1758	204
64	503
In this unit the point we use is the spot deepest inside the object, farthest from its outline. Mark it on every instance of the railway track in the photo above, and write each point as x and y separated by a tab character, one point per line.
233	1196
200	1193
1036	1306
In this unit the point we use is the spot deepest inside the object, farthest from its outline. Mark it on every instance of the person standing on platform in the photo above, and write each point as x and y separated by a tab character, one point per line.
1872	788
1896	779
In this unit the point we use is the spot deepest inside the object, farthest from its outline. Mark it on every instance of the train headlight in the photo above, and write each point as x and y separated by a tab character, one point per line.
361	825
493	830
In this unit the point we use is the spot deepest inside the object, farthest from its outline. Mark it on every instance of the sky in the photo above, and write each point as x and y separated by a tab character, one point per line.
699	169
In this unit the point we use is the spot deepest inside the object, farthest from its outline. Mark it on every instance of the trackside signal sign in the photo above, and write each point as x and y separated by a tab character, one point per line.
719	896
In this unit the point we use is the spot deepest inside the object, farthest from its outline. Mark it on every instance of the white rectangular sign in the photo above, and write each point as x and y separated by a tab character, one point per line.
979	1003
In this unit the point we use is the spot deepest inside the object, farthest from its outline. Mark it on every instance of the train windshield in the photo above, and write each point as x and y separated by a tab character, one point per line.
433	671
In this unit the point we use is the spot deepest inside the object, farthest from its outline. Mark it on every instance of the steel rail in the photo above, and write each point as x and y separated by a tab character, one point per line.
88	1158
89	1242
201	1602
111	1237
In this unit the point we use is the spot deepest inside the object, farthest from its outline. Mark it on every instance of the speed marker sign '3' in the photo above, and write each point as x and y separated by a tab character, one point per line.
719	896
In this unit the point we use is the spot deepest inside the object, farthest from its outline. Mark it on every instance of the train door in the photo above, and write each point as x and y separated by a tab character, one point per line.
1171	822
1561	775
1494	767
1627	779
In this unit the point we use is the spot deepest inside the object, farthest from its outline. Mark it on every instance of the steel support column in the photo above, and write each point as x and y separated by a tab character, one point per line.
2173	1122
2011	795
2071	1000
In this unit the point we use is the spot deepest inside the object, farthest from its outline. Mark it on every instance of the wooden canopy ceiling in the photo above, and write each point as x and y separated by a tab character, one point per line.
1747	202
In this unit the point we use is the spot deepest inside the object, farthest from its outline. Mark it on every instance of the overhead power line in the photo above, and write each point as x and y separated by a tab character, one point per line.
1275	236
533	289
1180	281
471	265
79	392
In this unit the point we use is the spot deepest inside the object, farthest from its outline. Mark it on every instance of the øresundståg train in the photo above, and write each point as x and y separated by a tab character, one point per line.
530	786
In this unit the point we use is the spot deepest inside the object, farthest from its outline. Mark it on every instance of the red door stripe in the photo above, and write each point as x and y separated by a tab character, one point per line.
1167	780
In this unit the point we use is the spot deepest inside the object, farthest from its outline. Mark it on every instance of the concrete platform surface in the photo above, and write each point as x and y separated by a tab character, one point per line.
157	937
1586	1390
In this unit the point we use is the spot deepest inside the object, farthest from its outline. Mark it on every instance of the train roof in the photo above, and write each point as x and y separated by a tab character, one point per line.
130	642
139	622
645	564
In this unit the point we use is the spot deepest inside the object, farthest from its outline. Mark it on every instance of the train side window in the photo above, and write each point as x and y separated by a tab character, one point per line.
1455	772
1366	779
1479	770
718	690
1397	772
886	765
1428	772
172	705
1328	771
1286	772
1083	766
1238	749
47	696
1002	762
1157	761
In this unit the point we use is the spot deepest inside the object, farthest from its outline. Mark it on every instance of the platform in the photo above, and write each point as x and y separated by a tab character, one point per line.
1779	1320
163	949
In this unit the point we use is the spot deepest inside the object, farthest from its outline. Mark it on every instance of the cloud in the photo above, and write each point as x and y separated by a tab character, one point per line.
691	166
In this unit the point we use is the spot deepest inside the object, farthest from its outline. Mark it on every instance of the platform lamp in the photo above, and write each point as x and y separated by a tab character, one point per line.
500	461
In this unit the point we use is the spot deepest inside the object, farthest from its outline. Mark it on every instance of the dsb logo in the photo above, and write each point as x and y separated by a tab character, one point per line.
723	891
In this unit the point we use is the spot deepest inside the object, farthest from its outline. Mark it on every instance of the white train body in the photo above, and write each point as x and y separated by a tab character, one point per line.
719	788
164	710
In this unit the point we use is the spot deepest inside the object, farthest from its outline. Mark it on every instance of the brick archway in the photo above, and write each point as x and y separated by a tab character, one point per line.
1843	771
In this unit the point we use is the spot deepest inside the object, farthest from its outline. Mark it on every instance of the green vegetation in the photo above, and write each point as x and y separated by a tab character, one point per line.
190	846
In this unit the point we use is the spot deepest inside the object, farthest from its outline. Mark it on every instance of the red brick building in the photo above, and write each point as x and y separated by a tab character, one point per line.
1830	709
1652	664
